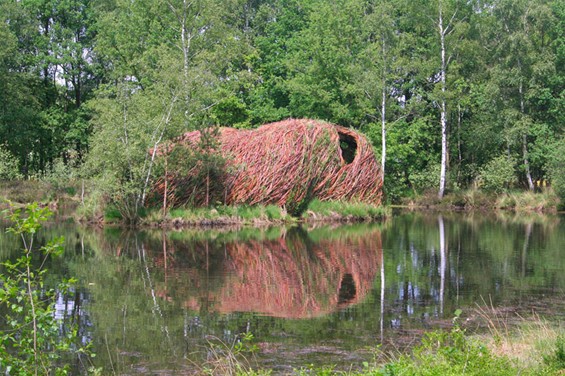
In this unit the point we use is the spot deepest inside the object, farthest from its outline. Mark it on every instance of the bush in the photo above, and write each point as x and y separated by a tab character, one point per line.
498	175
450	353
8	165
556	360
426	179
31	339
60	175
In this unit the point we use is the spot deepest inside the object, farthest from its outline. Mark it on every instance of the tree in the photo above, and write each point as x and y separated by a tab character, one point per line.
322	63
49	76
443	30
168	75
521	59
379	64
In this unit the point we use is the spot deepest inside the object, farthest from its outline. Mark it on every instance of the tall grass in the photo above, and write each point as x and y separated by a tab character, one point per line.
270	214
342	210
532	343
220	215
470	199
527	201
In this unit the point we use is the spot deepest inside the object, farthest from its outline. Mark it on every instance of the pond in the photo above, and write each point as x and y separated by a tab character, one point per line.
166	302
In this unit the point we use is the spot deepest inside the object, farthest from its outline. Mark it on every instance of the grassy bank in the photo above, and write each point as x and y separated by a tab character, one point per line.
86	206
90	207
474	199
258	215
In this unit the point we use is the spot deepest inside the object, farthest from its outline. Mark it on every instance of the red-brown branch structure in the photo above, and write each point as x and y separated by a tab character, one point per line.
293	276
283	163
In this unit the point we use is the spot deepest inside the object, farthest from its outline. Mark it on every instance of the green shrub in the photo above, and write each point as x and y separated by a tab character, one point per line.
9	169
450	353
60	175
556	360
498	175
30	339
91	207
112	214
426	179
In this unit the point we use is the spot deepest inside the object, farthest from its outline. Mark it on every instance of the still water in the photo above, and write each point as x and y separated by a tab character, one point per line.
155	302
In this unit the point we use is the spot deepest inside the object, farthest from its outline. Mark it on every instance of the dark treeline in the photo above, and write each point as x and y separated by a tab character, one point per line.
453	94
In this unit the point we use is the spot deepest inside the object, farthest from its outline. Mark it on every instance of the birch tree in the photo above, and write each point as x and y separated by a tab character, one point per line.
521	61
443	109
445	26
379	65
172	75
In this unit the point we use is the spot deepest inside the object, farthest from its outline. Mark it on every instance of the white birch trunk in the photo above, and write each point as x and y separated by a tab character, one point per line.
186	36
443	119
159	137
383	111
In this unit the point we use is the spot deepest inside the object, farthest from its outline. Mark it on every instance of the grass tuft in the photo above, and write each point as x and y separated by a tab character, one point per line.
528	201
342	210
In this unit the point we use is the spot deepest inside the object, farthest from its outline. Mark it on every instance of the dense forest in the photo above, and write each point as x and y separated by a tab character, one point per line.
453	94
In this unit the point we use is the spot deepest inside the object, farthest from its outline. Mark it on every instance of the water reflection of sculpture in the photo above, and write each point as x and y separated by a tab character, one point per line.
292	276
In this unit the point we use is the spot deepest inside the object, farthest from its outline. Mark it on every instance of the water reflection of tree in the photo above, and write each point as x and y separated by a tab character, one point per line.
439	263
203	282
158	295
290	276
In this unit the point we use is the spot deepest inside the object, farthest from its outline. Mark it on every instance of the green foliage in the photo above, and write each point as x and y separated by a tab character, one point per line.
450	353
556	169
426	179
556	360
60	176
9	169
498	175
30	336
231	111
103	83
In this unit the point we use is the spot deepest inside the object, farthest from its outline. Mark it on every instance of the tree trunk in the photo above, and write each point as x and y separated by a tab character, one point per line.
186	36
383	114
186	39
443	120
525	142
